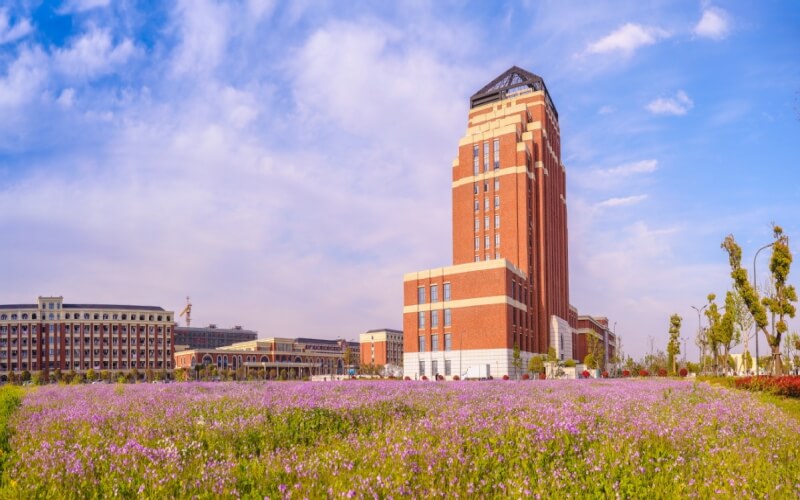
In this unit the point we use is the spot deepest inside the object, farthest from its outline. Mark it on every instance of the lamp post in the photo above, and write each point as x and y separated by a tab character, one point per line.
699	329
755	285
684	349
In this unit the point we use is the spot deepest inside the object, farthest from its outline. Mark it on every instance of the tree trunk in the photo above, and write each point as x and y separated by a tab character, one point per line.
777	364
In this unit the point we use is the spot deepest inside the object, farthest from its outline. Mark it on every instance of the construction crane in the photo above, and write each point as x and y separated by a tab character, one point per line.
188	312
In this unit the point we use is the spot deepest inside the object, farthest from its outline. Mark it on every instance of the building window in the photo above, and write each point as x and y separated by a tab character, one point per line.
421	343
448	317
421	368
447	292
434	367
496	184
496	154
497	202
486	241
497	240
486	222
421	295
475	188
486	203
496	221
477	243
475	153
434	293
477	205
477	258
448	342
477	224
434	319
434	343
485	186
421	319
486	156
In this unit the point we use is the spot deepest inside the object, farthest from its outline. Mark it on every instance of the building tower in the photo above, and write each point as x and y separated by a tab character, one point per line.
508	285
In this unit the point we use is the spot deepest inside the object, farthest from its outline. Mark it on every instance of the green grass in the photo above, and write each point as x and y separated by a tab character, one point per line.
10	399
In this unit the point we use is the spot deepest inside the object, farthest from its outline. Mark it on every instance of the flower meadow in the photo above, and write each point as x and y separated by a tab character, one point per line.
618	438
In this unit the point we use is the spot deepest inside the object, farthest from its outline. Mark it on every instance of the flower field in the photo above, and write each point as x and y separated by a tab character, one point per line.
580	439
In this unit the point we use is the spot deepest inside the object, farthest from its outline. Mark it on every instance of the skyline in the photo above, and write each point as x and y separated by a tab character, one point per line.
258	156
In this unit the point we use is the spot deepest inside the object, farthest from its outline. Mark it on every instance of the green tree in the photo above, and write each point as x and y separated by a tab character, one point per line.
714	325
674	344
348	359
747	361
536	364
780	303
594	346
516	360
590	361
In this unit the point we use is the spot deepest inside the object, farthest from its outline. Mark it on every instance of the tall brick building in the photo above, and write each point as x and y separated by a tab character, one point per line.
509	282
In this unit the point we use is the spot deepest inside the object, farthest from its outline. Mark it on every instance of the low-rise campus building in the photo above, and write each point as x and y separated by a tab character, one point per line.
277	357
211	337
52	335
381	348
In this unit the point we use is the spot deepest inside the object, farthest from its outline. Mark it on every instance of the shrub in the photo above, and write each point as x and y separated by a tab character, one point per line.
456	377
662	372
683	372
525	376
626	373
644	373
505	377
570	363
605	374
542	376
586	374
424	377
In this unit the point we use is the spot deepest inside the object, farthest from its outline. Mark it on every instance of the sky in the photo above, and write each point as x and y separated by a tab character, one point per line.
285	163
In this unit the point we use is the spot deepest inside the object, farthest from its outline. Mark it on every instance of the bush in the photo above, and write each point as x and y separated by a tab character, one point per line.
586	374
542	376
626	373
424	377
505	377
683	372
783	386
570	363
406	378
662	372
456	377
605	374
525	376
644	373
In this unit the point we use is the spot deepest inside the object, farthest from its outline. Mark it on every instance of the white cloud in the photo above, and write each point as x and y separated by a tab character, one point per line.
606	110
714	24
678	105
639	167
204	32
66	98
9	33
622	202
73	6
93	54
626	39
24	78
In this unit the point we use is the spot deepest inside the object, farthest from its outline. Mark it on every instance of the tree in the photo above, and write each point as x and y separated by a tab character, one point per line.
536	365
713	336
780	303
747	361
516	360
91	375
590	361
594	347
348	358
674	345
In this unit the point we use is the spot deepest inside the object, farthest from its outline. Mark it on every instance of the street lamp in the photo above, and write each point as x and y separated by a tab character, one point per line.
684	349
699	330
755	285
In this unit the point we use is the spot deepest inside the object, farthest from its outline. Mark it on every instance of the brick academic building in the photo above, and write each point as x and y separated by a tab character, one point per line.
509	282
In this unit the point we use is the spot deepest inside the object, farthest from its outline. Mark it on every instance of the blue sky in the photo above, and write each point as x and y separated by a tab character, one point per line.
285	163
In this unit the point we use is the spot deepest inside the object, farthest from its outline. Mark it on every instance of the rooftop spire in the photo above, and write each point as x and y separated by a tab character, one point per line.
512	81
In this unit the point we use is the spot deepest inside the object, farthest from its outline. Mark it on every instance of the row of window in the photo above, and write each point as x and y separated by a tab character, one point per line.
486	203
487	241
486	222
434	293
96	316
448	342
86	328
448	367
488	256
86	365
448	319
476	150
475	189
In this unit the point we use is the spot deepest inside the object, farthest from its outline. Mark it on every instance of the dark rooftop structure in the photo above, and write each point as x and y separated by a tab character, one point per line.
87	306
513	81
